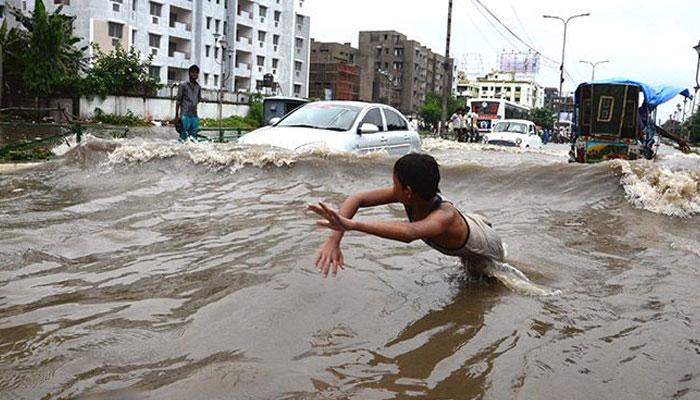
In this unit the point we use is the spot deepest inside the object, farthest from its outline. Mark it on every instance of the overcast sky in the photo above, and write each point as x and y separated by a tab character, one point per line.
651	41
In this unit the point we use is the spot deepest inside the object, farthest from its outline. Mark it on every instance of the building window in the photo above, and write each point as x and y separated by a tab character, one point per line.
216	80
216	25
297	90
156	9
299	43
208	22
263	11
300	20
115	30
207	50
224	28
275	63
216	53
278	14
154	72
133	5
297	66
261	61
154	40
206	78
262	35
275	39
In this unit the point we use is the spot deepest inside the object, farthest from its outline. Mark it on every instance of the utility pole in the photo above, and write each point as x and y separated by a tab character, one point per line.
697	78
447	83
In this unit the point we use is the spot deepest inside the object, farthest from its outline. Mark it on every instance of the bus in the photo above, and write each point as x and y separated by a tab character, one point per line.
489	110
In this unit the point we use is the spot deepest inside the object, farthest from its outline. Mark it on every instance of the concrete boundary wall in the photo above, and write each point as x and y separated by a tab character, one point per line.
161	107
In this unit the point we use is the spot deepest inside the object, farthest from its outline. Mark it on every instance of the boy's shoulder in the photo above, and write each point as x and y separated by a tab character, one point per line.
446	210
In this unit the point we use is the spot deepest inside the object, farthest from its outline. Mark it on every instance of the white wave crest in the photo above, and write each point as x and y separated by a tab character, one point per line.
212	155
659	189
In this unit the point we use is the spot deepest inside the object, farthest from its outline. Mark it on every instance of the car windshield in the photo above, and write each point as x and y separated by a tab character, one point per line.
335	117
510	127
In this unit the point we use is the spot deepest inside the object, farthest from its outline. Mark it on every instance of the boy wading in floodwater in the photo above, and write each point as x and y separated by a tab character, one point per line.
431	218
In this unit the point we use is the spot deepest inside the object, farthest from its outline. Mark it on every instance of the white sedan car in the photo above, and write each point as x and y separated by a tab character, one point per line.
339	126
514	133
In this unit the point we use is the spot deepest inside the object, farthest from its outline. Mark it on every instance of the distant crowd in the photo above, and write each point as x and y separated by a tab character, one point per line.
462	126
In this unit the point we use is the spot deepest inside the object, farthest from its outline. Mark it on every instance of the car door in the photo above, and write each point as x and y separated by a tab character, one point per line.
367	142
400	137
533	137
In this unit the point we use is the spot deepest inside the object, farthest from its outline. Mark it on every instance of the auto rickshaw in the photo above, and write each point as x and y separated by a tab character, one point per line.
610	122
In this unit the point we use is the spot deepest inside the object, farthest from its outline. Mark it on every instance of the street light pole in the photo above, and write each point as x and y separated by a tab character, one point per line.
563	52
593	65
697	77
446	82
222	42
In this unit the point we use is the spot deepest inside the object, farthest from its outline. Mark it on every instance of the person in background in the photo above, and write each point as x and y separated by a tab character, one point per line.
455	123
413	124
189	94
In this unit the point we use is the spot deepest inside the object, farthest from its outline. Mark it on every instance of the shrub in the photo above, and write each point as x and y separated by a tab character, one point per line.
128	119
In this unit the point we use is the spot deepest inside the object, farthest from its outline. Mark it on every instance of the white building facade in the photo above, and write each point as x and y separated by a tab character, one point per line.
234	42
505	85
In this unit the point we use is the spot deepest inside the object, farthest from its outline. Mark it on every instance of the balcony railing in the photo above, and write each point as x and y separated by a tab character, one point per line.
179	56
181	26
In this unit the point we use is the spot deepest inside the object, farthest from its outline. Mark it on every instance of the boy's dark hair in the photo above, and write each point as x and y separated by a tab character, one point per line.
194	68
420	172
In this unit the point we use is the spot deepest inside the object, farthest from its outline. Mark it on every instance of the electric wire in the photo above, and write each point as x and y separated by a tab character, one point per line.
478	4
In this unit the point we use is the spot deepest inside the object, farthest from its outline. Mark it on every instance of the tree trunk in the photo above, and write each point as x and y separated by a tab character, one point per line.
2	84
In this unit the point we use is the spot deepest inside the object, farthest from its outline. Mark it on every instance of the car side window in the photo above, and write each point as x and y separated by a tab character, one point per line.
394	122
373	116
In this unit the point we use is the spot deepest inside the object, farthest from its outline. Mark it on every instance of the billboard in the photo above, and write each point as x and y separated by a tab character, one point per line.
519	62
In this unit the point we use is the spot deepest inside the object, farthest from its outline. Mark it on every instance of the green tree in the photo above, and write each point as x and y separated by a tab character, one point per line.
255	115
543	117
431	111
120	72
43	54
692	127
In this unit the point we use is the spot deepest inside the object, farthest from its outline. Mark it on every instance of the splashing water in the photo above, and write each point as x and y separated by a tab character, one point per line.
515	280
659	189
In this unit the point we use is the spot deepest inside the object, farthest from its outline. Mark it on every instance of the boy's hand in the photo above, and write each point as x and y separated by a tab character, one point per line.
332	219
329	258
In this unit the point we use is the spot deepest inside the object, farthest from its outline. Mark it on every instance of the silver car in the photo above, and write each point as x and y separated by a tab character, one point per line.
339	126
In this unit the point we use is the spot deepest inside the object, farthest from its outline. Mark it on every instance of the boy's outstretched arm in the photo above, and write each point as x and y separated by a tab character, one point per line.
434	225
329	257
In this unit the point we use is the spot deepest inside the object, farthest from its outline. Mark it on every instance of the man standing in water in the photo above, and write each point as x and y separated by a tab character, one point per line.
189	94
431	218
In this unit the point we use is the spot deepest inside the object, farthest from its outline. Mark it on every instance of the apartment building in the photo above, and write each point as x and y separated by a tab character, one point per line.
466	89
334	71
414	70
234	42
505	85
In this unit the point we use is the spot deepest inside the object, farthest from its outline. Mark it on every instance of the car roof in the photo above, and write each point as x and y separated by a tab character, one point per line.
522	121
361	104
